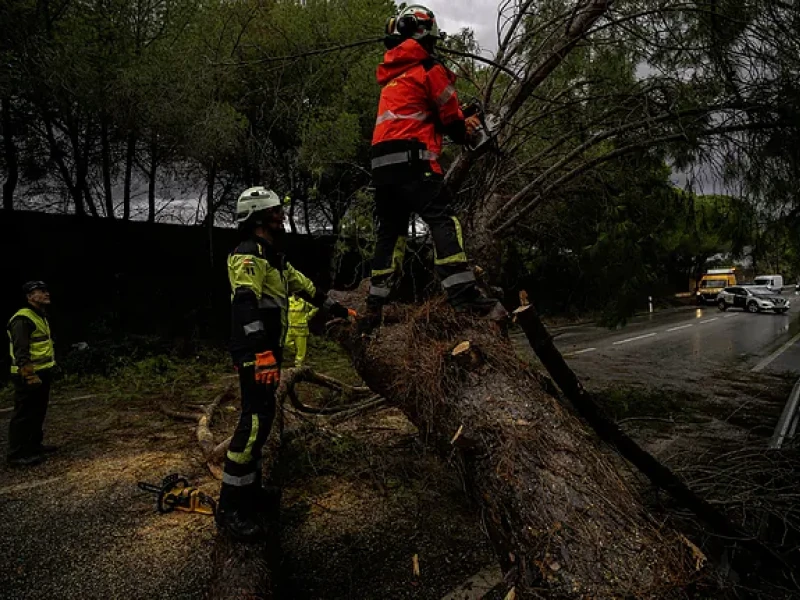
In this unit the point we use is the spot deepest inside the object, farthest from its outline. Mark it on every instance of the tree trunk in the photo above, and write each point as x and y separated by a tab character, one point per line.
210	183
306	216
81	157
557	505
292	205
151	182
57	154
106	166
130	154
11	155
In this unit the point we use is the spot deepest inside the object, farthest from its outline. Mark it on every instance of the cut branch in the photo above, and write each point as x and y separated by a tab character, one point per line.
514	219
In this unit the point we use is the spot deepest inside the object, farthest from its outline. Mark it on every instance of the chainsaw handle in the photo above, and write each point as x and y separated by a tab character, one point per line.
471	109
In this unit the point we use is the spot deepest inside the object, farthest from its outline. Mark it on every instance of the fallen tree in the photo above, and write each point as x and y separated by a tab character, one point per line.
562	518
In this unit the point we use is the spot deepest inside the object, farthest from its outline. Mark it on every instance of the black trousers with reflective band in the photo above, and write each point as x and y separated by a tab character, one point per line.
25	430
241	478
430	199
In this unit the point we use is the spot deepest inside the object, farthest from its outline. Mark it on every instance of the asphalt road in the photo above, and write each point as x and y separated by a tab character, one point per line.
684	346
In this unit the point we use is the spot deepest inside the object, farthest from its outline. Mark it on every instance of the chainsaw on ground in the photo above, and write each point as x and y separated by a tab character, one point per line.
175	493
489	125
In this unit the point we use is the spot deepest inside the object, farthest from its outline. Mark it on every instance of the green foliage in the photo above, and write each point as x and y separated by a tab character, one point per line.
358	231
110	357
233	94
329	138
629	236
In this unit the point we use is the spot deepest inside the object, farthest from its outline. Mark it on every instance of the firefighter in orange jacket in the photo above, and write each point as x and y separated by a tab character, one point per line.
418	105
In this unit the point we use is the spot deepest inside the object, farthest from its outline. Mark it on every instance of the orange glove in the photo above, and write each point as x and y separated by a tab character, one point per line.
472	124
267	370
29	376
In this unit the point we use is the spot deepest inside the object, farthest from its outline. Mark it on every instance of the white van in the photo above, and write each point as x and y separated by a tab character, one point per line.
773	283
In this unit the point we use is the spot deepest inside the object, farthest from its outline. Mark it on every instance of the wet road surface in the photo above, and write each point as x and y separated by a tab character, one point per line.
684	347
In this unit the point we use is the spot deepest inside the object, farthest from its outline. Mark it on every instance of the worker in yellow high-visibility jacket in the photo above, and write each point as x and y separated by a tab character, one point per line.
32	363
300	313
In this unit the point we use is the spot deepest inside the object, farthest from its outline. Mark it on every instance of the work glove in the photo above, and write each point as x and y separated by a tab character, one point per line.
472	124
338	311
29	376
267	370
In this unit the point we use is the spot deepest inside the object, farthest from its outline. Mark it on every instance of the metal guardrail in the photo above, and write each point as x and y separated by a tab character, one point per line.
788	423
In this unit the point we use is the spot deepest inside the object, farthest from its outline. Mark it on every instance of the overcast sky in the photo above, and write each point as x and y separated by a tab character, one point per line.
478	15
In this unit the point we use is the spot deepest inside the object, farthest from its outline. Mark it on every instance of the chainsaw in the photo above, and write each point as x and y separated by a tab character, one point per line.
489	126
175	493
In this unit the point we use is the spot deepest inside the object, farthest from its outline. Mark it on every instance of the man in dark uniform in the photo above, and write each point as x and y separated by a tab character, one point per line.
261	282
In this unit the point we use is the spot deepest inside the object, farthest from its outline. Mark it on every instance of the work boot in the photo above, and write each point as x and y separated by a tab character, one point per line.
47	449
239	525
484	307
26	461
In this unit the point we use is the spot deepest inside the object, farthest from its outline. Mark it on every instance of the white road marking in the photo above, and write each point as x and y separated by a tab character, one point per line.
584	351
731	315
765	363
680	327
633	339
709	320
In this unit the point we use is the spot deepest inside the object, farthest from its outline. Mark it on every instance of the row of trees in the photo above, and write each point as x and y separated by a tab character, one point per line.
102	99
107	102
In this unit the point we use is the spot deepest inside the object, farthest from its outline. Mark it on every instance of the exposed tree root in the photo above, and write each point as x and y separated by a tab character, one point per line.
214	453
205	437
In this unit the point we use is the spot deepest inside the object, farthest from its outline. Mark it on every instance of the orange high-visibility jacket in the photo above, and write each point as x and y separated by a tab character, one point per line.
418	104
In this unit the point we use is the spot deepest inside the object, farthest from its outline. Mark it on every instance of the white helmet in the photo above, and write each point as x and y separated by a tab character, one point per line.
415	21
253	200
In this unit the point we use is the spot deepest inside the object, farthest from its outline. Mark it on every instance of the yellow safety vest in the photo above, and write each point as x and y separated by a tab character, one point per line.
300	313
42	353
272	286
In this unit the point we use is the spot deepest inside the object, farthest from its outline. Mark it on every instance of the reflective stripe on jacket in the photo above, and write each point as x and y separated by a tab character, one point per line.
41	343
418	98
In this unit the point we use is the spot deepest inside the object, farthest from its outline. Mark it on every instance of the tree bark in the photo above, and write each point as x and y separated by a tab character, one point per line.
557	505
130	154
11	155
106	166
